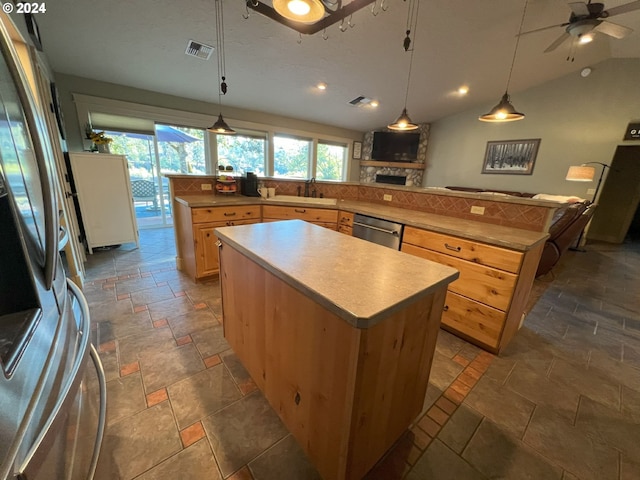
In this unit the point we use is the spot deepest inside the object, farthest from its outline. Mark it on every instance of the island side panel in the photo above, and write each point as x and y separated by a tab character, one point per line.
301	356
393	374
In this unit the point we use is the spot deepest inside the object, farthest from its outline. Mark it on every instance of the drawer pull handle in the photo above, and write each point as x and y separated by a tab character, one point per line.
446	308
227	214
451	247
300	210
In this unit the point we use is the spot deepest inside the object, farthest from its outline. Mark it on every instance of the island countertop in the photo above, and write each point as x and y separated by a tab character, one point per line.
359	281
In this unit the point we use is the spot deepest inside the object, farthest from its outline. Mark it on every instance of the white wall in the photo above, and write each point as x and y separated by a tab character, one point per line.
577	119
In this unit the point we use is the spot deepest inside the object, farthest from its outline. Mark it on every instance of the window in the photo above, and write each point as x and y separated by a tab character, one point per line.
331	161
244	152
291	157
181	149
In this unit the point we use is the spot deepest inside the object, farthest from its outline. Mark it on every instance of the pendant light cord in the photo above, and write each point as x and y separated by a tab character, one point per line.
412	25
222	87
515	51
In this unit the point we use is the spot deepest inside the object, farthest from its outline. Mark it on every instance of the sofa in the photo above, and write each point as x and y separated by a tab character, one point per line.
567	224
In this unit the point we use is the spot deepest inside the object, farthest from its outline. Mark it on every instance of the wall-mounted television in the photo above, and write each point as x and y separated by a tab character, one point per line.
395	147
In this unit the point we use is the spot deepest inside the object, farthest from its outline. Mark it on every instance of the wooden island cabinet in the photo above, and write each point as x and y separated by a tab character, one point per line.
341	346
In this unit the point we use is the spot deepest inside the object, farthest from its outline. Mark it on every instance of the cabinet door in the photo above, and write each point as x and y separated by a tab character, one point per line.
206	250
473	319
346	219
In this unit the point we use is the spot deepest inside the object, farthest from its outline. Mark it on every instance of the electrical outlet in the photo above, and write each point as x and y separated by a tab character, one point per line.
206	186
477	210
387	198
591	191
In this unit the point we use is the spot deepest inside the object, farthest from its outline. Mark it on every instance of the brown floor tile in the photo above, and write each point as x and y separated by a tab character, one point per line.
107	347
184	340
140	308
243	474
438	415
129	368
192	434
156	397
212	361
160	323
460	360
429	425
446	405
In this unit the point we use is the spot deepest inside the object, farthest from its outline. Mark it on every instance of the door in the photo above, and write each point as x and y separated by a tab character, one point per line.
619	197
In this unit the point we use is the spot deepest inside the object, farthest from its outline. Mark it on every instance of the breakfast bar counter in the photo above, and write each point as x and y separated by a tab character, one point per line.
338	333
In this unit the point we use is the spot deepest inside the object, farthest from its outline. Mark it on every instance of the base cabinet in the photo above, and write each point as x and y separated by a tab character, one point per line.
345	223
487	303
324	217
196	240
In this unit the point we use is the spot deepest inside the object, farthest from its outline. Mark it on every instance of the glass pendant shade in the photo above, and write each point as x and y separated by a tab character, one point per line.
403	123
502	112
303	11
221	127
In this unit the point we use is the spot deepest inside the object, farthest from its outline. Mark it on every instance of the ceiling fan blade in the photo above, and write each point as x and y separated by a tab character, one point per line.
613	29
627	7
544	28
557	42
579	9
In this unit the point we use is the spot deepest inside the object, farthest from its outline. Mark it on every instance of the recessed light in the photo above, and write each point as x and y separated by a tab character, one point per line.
321	86
463	90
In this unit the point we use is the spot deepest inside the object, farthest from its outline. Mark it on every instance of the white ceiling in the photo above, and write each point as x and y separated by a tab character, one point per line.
142	44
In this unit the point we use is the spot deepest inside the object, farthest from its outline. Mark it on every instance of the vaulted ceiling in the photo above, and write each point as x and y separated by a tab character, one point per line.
271	68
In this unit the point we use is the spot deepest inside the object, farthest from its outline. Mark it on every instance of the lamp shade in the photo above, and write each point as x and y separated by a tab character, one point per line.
303	11
502	112
403	123
581	174
221	127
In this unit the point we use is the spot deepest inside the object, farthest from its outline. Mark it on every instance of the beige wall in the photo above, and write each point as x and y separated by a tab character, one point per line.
69	84
578	119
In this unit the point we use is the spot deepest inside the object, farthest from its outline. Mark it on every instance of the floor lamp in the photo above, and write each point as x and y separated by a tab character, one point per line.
583	173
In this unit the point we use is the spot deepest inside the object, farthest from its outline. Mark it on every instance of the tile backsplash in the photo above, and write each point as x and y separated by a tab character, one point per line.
496	212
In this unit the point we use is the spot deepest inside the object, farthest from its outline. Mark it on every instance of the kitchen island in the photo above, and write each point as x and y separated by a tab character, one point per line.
338	333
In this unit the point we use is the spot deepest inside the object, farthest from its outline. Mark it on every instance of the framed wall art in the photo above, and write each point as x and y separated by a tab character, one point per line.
514	157
357	150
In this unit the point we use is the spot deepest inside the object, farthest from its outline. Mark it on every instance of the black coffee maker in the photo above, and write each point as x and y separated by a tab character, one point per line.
249	185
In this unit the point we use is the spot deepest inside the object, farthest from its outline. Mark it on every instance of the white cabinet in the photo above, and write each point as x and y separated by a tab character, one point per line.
105	198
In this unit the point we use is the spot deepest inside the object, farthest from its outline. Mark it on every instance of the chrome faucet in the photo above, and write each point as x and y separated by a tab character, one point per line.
307	184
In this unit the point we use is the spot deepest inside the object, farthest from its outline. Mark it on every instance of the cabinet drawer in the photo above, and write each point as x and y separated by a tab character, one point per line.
473	319
219	214
302	213
345	229
345	218
485	284
481	253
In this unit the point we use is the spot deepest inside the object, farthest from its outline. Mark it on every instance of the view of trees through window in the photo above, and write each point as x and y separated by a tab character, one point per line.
331	162
291	157
245	153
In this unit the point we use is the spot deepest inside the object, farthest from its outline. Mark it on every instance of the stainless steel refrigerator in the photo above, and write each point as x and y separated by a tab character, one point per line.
52	389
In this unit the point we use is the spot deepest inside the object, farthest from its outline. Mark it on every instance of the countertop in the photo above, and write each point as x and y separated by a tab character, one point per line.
361	282
508	237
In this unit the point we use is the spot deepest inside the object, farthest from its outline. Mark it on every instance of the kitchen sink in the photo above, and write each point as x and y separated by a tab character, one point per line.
311	200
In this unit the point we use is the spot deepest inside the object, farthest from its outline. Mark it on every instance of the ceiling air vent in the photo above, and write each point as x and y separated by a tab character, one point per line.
199	50
360	101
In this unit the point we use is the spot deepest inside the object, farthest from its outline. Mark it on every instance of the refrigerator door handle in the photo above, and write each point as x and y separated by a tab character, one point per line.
102	413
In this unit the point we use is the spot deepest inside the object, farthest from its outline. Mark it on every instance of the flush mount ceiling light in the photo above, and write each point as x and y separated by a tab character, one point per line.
221	127
504	111
308	16
404	123
321	86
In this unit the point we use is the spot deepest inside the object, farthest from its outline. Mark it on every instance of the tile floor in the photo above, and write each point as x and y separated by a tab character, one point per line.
562	402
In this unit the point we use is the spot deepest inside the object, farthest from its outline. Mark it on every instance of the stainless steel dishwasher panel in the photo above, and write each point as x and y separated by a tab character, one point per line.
376	230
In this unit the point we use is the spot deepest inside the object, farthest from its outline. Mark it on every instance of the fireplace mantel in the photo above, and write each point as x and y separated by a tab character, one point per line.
377	163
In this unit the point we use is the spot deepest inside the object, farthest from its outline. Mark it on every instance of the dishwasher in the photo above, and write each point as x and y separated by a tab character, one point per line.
376	230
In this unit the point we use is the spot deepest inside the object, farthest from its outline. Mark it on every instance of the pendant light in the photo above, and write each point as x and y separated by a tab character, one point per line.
504	111
404	123
221	127
304	11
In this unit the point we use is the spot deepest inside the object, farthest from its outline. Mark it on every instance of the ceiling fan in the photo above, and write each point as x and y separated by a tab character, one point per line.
588	18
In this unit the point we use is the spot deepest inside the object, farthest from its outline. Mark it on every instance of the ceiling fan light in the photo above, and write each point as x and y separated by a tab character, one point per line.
502	112
303	11
586	38
221	127
403	123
